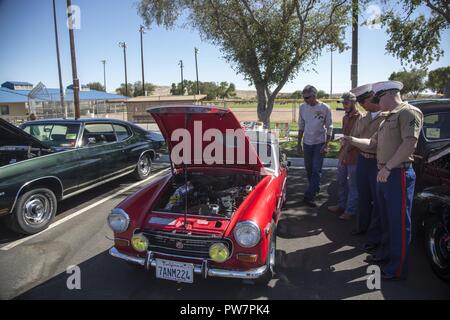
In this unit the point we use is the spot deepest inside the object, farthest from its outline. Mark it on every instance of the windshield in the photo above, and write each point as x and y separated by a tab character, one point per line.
266	154
437	126
54	135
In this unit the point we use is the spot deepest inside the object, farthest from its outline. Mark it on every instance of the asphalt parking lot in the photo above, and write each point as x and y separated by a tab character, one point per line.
318	258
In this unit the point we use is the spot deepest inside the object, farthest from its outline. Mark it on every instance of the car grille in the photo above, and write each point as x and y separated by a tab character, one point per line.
186	245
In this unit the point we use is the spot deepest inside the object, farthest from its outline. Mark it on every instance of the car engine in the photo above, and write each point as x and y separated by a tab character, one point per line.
208	195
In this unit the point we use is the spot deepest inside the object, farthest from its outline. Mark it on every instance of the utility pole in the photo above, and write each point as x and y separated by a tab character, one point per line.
196	69
61	89
104	73
182	84
142	31
354	67
331	77
124	46
76	82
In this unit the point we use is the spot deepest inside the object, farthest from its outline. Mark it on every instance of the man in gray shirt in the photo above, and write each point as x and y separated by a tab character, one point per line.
315	128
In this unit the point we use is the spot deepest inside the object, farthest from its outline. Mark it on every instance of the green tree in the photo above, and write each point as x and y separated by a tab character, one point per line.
122	90
321	94
439	80
296	95
211	89
95	86
413	81
226	90
413	36
137	89
268	41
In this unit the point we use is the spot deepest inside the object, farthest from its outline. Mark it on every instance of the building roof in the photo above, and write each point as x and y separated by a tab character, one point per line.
93	95
12	96
166	98
51	94
7	84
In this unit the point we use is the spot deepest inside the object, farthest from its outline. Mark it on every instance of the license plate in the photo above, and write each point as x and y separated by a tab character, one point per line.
175	271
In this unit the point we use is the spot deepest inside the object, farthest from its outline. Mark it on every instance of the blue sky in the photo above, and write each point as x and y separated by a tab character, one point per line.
28	49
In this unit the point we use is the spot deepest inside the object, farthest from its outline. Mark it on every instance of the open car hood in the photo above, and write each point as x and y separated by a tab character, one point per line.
172	120
14	136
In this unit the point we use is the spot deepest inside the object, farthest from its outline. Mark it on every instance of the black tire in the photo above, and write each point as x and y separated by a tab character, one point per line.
34	211
437	246
143	167
271	259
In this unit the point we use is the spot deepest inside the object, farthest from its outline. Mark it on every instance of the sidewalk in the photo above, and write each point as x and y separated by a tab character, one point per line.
300	162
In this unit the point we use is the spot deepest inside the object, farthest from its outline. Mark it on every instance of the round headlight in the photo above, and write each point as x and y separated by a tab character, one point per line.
219	252
139	242
247	234
118	220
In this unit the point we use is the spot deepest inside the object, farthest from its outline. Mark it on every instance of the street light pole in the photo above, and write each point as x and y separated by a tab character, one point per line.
142	31
182	84
124	46
76	82
196	69
61	89
104	74
331	77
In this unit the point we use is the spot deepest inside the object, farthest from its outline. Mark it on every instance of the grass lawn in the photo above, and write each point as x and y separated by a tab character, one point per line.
287	104
290	149
293	126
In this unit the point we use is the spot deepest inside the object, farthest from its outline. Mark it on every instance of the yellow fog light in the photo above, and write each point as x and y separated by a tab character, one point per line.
139	242
219	252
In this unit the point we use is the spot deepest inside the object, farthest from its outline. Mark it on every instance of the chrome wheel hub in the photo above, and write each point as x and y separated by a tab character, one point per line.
37	209
144	165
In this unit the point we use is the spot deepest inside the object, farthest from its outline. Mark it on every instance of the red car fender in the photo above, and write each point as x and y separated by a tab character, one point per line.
138	204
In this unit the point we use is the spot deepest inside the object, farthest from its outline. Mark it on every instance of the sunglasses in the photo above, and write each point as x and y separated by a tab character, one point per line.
306	98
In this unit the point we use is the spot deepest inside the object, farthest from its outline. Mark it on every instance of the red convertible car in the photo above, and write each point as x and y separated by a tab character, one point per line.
208	218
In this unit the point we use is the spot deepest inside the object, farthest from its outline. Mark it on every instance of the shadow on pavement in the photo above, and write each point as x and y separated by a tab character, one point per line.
85	198
319	260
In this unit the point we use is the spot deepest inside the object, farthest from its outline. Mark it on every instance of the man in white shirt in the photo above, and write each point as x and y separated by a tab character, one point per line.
315	129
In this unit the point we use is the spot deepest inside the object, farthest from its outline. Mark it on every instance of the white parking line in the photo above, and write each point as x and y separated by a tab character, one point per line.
77	213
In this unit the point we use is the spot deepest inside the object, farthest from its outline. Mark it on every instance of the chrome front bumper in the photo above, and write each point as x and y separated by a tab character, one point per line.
202	269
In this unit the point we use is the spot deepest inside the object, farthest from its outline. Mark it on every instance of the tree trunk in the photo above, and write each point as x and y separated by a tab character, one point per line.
265	104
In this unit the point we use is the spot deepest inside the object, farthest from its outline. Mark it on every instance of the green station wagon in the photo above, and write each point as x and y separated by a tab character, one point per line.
50	160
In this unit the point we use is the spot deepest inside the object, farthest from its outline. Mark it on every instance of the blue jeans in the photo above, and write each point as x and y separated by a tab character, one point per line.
313	166
347	189
368	218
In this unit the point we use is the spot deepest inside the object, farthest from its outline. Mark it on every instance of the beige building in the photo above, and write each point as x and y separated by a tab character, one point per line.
136	107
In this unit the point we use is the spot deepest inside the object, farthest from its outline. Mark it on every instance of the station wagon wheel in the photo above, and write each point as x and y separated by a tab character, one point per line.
34	211
144	167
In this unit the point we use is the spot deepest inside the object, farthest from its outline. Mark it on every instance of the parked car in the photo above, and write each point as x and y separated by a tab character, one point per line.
212	219
432	166
46	161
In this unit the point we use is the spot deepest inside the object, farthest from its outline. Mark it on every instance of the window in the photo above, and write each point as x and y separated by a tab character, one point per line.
437	126
4	110
54	135
122	132
98	133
